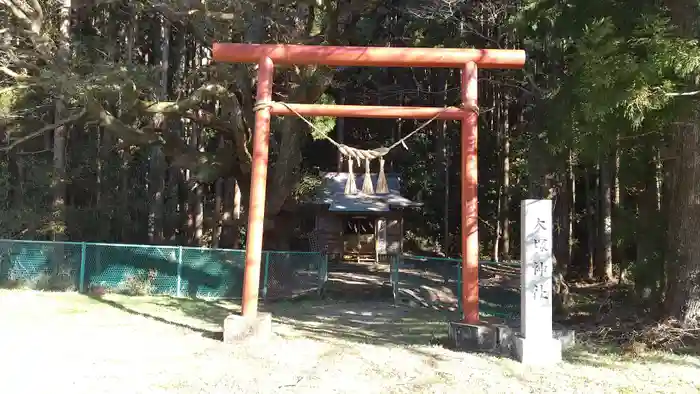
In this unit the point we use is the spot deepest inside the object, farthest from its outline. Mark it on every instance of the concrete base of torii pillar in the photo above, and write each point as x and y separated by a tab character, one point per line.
243	329
503	338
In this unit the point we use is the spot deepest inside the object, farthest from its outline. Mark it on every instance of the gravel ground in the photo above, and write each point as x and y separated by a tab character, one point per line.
62	342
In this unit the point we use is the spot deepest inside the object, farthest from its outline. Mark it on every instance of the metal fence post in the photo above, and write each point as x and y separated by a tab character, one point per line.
3	278
323	273
395	277
83	252
266	274
179	272
459	288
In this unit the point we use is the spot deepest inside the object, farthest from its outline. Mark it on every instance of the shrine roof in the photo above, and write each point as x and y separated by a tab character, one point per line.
332	193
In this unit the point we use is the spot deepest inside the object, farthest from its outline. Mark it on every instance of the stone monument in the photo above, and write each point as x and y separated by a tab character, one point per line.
536	343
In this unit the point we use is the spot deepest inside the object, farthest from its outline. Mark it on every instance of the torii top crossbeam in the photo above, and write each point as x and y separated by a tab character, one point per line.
368	56
468	60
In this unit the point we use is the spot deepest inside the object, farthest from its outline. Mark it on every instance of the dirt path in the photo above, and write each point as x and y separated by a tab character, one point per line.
428	283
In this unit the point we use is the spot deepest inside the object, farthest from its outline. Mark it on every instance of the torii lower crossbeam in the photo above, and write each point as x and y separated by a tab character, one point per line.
468	60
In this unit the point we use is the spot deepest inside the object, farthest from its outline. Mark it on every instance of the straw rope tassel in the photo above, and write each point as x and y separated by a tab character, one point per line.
382	186
367	186
350	185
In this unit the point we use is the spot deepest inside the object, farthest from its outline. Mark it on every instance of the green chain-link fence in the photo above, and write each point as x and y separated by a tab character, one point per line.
438	282
155	270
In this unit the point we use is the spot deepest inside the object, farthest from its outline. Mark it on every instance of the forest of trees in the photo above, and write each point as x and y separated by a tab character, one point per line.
116	126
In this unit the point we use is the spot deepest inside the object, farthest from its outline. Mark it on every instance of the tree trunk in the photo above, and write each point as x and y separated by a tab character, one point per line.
441	164
17	168
604	262
196	196
590	225
60	134
125	184
237	210
183	196
563	210
662	207
617	236
504	203
648	233
157	189
157	158
496	125
340	127
219	191
59	178
683	253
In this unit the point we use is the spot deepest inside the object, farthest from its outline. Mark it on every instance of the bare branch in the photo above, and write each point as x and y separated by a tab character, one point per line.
32	22
199	8
178	107
208	119
204	165
17	10
12	74
45	129
113	124
170	13
36	152
9	72
679	94
233	115
38	11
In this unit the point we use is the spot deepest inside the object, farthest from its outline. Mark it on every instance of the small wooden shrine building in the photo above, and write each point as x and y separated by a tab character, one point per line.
352	225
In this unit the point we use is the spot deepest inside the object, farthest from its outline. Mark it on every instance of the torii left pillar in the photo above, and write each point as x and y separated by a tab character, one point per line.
269	55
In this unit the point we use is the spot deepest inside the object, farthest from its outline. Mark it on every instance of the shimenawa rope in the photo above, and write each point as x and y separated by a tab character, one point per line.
356	155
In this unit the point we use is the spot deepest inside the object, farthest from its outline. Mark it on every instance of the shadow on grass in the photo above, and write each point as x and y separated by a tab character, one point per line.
375	323
368	322
600	357
211	334
373	320
365	322
612	357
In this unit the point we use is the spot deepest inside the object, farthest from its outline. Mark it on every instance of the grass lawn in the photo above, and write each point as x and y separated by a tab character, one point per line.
66	342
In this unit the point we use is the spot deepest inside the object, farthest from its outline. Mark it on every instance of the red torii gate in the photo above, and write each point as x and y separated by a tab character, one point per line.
268	55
